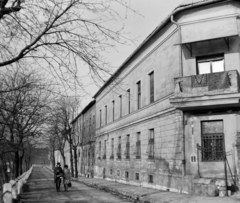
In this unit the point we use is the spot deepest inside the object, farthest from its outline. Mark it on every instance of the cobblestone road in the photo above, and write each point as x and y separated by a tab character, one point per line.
40	188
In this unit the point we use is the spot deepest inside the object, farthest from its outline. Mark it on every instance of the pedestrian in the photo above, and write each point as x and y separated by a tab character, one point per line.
66	177
58	174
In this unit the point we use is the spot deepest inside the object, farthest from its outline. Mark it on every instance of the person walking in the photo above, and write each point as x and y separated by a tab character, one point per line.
58	173
66	177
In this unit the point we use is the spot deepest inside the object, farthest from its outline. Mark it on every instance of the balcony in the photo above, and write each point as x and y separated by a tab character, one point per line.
206	90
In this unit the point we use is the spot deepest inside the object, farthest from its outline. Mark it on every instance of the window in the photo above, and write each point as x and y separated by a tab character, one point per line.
138	146
105	115
139	95
111	171
118	173
212	140
112	149
119	150
99	155
150	178
90	127
210	64
136	176
113	109
151	86
105	149
151	144
120	106
127	152
126	175
129	100
100	117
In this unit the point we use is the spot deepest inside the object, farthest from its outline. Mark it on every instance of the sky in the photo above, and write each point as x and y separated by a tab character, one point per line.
137	27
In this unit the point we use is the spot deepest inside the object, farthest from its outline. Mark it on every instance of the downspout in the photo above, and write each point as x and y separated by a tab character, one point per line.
180	46
182	114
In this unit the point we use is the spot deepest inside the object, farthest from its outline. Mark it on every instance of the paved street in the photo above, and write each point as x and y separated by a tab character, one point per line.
41	188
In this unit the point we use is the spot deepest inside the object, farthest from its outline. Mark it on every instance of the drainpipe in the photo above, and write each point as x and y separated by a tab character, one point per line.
180	46
182	114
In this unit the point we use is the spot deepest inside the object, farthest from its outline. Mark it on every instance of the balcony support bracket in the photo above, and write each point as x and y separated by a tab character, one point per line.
189	48
226	39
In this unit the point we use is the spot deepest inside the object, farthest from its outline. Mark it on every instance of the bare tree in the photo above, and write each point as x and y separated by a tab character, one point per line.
22	113
59	35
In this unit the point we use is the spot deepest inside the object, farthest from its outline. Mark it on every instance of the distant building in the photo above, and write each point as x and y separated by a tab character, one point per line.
83	129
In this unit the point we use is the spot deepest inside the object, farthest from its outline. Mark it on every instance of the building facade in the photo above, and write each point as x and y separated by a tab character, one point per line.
170	113
83	128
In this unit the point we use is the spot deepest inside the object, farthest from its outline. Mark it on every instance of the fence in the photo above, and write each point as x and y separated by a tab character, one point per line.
12	189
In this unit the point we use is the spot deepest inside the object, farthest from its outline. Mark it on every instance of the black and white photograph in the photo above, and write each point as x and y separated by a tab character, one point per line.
119	101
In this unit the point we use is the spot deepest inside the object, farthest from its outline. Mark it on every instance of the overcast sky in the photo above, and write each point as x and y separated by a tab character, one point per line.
153	12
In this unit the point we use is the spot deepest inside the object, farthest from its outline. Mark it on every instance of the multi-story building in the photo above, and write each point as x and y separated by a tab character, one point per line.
83	128
170	113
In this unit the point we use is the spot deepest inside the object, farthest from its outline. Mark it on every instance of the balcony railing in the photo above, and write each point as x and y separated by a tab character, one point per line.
207	84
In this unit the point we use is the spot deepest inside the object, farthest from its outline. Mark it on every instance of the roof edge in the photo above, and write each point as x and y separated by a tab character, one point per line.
90	104
157	29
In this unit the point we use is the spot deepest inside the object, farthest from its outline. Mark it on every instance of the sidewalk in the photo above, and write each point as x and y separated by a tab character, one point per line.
147	195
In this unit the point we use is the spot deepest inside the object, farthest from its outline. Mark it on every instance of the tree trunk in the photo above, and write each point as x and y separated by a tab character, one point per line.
21	163
16	164
53	160
4	170
71	158
75	161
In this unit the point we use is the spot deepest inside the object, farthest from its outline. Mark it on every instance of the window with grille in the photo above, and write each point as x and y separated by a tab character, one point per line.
112	149
129	100
120	106
99	153
100	117
139	95
151	144
119	149
136	176
90	126
128	147
210	64
212	140
151	80
113	109
138	146
105	149
150	178
126	175
106	115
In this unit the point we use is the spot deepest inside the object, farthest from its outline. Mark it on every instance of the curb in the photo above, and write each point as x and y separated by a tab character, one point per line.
122	194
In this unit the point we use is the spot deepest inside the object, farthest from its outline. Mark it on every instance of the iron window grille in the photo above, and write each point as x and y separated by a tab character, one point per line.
128	150
151	148
150	178
126	175
138	149
136	176
119	152
212	141
112	147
